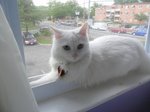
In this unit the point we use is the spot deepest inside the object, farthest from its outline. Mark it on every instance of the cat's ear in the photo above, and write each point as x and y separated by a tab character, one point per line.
83	30
57	33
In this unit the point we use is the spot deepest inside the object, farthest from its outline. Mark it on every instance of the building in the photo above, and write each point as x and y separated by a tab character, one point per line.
122	12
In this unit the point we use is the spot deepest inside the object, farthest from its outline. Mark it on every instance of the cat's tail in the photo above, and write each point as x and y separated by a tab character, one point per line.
46	78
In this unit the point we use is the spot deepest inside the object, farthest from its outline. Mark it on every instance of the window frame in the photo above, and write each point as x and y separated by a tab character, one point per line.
147	42
9	8
44	91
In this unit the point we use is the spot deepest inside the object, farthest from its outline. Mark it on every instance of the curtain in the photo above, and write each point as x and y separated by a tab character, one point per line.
15	92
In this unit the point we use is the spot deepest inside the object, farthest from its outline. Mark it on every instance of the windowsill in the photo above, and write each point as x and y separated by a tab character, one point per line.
82	99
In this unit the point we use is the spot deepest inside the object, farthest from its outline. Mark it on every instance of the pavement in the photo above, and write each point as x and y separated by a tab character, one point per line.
36	59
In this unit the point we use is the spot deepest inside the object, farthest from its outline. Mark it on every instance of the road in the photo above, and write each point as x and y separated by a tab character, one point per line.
37	56
96	33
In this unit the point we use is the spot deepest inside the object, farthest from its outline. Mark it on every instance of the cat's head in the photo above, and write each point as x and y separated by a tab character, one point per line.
70	45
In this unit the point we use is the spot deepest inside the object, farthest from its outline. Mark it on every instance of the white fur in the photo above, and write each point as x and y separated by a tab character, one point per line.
102	59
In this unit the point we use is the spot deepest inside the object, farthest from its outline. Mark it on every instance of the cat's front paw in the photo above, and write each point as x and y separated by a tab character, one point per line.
62	70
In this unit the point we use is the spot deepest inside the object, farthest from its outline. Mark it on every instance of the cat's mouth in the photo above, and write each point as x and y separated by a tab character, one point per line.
61	72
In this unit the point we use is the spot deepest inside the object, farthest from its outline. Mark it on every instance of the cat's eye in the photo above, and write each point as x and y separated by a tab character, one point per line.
80	46
66	47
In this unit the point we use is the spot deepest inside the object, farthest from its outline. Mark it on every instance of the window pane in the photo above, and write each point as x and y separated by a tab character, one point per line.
36	16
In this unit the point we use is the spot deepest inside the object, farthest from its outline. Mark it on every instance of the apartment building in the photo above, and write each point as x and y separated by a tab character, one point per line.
122	13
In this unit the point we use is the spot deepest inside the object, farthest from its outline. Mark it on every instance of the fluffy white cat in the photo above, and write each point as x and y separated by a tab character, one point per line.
75	58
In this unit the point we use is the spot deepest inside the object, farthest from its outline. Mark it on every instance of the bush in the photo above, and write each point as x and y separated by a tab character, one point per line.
37	34
45	32
44	40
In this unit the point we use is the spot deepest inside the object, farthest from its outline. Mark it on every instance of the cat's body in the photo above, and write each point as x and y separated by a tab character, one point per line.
114	56
96	61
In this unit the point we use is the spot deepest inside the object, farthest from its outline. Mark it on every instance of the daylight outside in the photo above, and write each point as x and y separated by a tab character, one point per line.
104	17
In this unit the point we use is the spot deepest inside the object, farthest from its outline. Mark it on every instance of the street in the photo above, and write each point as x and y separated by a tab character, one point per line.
36	59
37	56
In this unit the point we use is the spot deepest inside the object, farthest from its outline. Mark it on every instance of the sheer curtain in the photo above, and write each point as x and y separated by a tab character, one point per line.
15	92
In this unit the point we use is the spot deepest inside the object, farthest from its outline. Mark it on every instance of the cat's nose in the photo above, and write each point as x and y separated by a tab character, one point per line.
75	55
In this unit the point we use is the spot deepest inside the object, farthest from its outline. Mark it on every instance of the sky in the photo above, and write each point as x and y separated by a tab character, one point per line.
83	3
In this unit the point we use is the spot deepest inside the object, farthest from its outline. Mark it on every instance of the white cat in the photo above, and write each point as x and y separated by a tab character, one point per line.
74	58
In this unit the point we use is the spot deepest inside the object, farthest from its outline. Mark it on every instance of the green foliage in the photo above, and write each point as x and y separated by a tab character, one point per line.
44	36
44	40
95	5
56	9
36	34
45	32
25	11
141	17
61	10
30	25
30	14
39	13
70	7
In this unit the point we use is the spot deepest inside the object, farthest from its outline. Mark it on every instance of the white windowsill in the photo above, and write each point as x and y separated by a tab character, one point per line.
82	99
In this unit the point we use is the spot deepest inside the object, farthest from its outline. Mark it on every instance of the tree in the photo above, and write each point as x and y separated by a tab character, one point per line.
25	11
39	13
56	9
62	10
30	14
95	5
141	17
70	8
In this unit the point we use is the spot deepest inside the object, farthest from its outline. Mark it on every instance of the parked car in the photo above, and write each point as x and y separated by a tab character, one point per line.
29	38
131	29
118	29
100	26
69	23
141	31
80	23
44	27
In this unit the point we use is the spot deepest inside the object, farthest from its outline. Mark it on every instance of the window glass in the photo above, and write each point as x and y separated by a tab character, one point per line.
36	17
